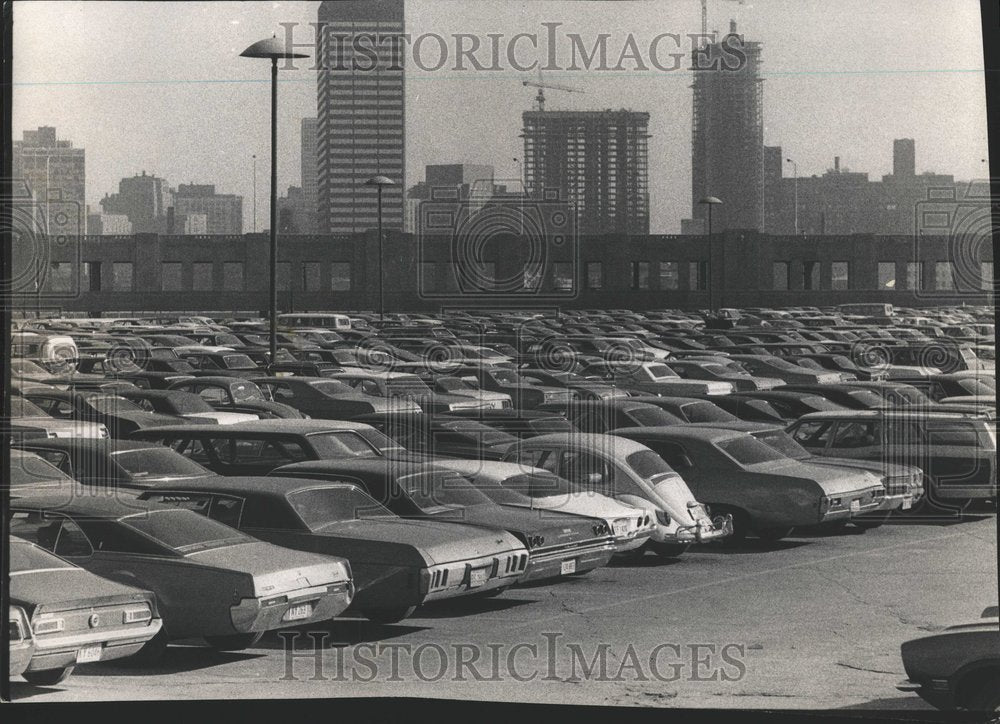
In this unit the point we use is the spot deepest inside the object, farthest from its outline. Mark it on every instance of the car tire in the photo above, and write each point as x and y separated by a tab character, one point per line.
669	550
233	642
151	652
873	521
987	698
773	534
389	615
634	555
47	677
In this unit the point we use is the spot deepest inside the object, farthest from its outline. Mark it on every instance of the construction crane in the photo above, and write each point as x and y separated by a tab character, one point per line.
540	98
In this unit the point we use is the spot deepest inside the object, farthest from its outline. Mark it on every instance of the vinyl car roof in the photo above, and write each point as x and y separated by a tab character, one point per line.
274	426
364	467
680	432
111	506
88	444
247	485
920	413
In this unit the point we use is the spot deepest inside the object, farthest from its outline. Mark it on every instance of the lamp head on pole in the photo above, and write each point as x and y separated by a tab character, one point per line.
270	48
710	200
380	181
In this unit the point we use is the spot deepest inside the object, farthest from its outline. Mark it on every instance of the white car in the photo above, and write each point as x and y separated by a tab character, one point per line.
515	484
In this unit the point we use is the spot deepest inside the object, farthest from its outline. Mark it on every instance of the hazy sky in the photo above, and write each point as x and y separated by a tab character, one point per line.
160	87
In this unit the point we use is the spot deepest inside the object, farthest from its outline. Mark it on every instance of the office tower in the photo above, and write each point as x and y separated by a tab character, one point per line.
310	175
144	200
361	114
223	212
55	173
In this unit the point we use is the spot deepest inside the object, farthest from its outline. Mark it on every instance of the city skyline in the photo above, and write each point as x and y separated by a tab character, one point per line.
924	83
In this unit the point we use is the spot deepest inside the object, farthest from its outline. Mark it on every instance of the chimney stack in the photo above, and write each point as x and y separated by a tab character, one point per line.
836	164
732	27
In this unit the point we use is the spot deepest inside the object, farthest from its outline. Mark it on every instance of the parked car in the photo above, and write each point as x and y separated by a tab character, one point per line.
558	544
603	415
65	616
697	369
956	453
690	409
441	435
630	473
958	668
956	384
215	362
766	492
185	405
119	415
524	393
230	394
211	581
520	423
653	378
487	399
515	484
397	564
112	464
581	387
28	419
760	365
792	405
323	398
403	385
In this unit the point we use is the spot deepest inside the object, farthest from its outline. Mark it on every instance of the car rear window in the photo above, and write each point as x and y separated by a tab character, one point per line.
648	465
27	469
184	531
239	362
158	462
961	434
651	416
320	508
435	491
26	557
706	412
747	450
331	445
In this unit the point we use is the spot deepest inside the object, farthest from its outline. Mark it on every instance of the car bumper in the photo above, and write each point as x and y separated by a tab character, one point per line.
625	544
256	615
57	652
20	657
545	564
465	571
965	492
721	528
939	698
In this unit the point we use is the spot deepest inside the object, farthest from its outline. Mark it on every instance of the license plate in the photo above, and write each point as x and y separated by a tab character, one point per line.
907	504
855	506
478	576
621	527
89	654
568	567
297	613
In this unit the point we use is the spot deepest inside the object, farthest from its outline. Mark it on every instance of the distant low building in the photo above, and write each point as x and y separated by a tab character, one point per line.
55	173
108	225
143	200
224	212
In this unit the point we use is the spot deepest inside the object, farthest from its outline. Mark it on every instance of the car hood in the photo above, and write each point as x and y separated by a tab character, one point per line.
438	542
66	588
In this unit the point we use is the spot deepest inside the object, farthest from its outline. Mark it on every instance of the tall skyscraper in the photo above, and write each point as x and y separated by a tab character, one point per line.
361	113
904	158
56	176
598	160
728	133
144	200
310	175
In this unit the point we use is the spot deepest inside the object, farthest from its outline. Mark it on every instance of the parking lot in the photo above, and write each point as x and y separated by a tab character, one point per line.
744	509
818	620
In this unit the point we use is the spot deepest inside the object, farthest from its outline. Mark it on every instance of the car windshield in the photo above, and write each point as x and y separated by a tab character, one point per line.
485	434
245	391
112	404
26	557
505	376
20	407
346	444
184	531
238	362
154	463
821	404
706	412
437	491
227	340
783	443
651	416
256	339
649	466
27	469
320	508
747	450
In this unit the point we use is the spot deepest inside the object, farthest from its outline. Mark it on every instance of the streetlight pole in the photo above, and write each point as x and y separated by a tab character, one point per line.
795	169
378	182
255	193
710	201
272	49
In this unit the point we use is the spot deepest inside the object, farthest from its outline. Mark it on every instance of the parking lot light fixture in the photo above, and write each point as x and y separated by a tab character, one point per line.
379	182
273	49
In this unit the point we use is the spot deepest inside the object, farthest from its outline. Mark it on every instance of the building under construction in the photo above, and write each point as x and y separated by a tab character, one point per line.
728	133
598	162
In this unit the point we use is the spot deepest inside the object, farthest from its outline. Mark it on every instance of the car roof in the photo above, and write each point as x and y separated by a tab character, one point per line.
271	426
86	444
582	439
99	505
902	414
247	485
365	467
680	432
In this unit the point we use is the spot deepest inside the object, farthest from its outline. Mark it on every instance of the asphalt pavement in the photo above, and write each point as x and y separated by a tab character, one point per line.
811	622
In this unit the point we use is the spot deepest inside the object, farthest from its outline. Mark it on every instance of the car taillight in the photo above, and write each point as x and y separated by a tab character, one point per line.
49	625
137	614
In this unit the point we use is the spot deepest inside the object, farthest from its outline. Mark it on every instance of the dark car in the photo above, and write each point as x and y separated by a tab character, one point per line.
120	415
523	393
185	405
956	453
958	668
227	364
766	491
71	616
519	423
397	564
256	448
691	409
749	409
230	394
868	395
956	384
211	581
328	399
581	387
115	463
789	404
558	543
405	386
603	415
443	435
